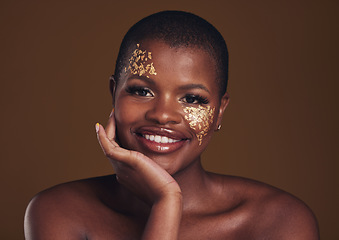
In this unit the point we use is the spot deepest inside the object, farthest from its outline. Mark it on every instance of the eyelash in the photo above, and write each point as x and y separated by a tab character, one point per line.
188	98
197	99
139	91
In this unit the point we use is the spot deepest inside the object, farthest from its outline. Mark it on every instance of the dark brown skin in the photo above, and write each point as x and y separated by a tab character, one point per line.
165	195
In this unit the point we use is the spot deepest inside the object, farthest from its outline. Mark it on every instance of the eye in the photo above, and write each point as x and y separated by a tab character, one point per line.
194	99
140	91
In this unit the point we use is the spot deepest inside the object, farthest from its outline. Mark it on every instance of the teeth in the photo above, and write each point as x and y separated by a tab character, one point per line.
157	139
160	139
164	139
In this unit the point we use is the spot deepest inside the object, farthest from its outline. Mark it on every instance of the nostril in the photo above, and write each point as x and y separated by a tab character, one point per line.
163	115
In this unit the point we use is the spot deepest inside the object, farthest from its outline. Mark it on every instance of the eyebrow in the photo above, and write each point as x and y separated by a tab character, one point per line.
184	87
143	78
192	86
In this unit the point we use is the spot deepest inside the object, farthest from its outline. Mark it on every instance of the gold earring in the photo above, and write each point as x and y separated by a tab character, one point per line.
219	127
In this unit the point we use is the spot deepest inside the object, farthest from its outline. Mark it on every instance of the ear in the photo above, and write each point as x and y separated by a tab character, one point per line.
223	104
112	87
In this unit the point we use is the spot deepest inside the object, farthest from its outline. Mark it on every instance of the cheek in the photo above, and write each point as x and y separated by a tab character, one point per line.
126	112
200	120
126	115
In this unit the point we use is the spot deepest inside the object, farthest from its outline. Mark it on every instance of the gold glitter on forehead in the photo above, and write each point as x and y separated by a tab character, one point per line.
200	119
137	63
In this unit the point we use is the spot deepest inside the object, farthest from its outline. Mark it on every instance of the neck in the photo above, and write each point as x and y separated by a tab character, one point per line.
192	181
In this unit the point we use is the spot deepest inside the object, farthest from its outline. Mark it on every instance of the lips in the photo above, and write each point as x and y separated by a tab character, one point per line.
160	140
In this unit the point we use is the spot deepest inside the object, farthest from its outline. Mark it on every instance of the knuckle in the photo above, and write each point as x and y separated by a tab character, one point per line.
134	159
136	156
109	153
122	177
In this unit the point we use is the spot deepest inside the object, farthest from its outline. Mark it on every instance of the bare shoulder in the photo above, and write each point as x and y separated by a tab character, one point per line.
284	216
61	211
270	212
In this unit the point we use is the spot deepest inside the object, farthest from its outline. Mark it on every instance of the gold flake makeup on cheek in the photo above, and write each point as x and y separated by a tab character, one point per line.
138	65
200	119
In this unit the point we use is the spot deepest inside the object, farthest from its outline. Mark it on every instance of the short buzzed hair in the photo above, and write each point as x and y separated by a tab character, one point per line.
180	30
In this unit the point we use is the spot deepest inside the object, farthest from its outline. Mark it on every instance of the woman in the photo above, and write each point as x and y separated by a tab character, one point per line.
169	96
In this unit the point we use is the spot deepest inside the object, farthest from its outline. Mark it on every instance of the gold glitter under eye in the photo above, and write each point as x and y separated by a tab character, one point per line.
200	119
138	65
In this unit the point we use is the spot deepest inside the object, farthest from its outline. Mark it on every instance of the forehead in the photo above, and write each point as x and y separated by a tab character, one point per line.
184	63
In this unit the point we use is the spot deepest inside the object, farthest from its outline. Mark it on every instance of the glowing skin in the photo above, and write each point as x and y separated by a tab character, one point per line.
137	63
200	119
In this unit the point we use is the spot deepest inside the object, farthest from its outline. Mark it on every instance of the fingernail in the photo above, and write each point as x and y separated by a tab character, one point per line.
97	126
111	114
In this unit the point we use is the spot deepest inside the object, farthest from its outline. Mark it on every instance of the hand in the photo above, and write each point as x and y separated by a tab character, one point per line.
134	170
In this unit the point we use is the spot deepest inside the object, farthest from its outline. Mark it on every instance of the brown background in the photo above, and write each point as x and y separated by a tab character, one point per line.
281	126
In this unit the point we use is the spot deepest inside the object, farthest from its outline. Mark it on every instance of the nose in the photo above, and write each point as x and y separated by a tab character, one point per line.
164	110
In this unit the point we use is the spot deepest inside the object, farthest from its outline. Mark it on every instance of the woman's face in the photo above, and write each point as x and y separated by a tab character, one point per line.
167	104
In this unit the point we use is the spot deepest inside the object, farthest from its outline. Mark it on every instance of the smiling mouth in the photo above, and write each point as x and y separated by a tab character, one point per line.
160	139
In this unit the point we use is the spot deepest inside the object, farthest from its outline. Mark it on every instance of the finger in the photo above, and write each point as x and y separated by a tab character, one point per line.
103	139
110	127
111	149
